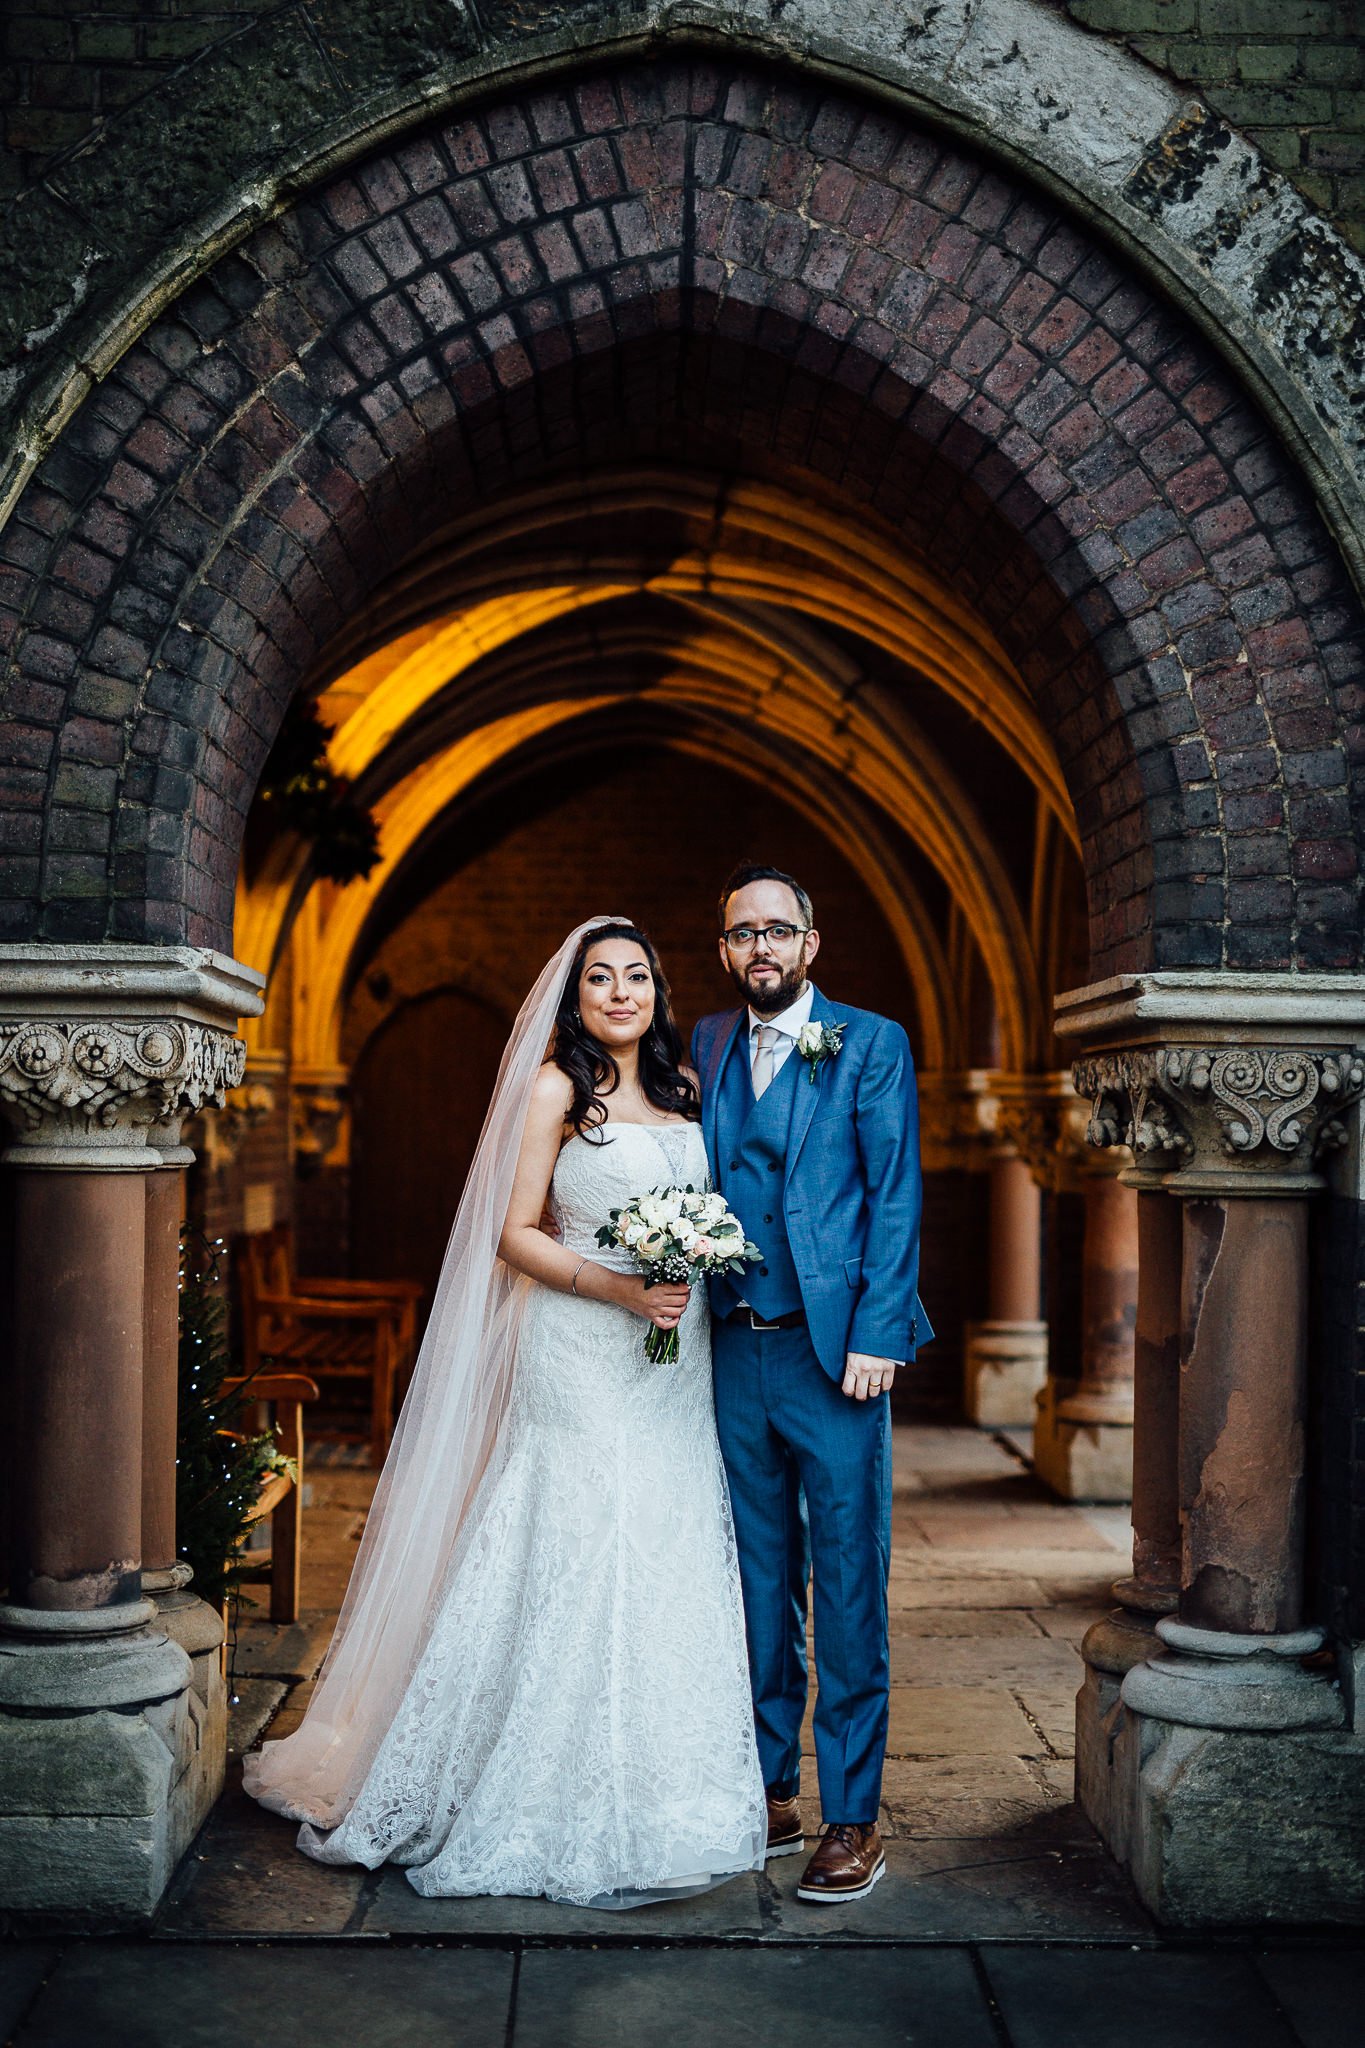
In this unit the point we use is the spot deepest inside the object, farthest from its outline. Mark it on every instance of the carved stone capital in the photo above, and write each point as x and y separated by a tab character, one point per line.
82	1088
318	1112
1223	1119
218	1133
1040	1117
105	1050
952	1134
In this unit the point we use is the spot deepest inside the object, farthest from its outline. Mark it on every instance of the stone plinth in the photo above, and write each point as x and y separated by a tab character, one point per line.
1082	1461
102	1773
1004	1366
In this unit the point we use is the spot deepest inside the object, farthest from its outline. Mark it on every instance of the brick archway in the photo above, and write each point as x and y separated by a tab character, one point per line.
691	261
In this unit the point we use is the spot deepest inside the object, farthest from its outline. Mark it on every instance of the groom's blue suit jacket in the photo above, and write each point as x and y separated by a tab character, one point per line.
851	1187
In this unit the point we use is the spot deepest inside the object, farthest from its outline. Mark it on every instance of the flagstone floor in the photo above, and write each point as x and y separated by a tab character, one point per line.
1000	1921
992	1586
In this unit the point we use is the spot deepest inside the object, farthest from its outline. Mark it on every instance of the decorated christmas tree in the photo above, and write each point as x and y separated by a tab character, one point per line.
219	1464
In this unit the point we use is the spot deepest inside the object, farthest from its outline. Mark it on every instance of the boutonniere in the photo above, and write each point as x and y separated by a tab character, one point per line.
819	1042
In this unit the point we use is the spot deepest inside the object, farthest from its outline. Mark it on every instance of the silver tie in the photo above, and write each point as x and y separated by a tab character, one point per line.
765	1045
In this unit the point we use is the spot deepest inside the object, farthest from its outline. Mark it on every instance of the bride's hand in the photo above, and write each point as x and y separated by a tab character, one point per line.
663	1305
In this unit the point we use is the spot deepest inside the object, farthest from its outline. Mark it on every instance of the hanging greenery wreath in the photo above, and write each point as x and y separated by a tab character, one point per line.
300	791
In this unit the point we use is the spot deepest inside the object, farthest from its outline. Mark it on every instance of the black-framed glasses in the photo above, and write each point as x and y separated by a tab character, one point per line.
742	938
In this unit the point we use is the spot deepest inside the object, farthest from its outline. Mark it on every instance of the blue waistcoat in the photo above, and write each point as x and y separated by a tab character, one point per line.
751	1144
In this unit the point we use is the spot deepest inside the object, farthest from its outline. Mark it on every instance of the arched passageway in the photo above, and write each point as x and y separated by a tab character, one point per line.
697	409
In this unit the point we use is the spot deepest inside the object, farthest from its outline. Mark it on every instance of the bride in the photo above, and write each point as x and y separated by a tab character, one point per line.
538	1680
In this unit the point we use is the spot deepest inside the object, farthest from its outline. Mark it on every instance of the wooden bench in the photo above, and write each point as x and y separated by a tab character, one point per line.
281	1496
336	1331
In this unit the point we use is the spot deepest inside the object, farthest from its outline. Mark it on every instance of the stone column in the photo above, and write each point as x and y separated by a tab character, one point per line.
166	1578
1127	1636
1005	1359
102	1769
1082	1432
1233	1788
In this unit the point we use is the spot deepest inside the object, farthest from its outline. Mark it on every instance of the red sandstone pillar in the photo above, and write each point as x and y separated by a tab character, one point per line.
1155	1582
1242	1397
1016	1242
112	1737
1109	1292
76	1539
1083	1440
1005	1357
160	1352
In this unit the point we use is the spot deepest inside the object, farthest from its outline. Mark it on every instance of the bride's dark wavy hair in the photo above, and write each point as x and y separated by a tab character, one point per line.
591	1068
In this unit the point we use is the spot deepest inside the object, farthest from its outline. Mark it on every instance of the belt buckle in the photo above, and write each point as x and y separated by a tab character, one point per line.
758	1322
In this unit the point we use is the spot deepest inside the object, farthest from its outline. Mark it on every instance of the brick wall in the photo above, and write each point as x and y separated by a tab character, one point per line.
1290	74
669	264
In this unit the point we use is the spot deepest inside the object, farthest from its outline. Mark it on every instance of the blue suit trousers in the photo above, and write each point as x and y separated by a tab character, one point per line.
787	1431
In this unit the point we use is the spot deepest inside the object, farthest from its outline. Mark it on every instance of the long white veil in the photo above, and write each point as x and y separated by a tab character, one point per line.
445	1436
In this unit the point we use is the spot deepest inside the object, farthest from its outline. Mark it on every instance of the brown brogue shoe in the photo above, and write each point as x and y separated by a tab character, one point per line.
785	1834
846	1865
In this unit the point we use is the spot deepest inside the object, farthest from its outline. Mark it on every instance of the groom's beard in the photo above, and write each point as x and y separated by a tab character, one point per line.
771	993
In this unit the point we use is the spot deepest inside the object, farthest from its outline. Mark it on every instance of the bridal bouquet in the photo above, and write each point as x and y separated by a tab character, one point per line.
678	1234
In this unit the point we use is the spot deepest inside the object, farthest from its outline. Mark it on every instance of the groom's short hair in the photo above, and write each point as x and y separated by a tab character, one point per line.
753	871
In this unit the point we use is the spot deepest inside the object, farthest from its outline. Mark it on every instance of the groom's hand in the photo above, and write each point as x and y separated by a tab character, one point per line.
865	1377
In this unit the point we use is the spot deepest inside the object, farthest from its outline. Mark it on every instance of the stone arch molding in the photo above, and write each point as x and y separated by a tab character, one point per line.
140	208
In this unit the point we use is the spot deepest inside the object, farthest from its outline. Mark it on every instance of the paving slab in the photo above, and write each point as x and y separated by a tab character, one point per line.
963	1589
961	1795
958	1720
973	1623
1068	1623
1320	1991
1013	1661
1054	1711
252	1881
255	1701
1017	1888
23	1966
984	1525
796	1999
1108	1998
292	1649
731	1912
150	1997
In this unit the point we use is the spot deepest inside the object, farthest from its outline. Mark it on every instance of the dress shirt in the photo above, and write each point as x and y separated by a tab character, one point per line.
786	1024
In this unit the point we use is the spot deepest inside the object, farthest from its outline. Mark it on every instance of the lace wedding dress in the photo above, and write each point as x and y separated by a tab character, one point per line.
579	1723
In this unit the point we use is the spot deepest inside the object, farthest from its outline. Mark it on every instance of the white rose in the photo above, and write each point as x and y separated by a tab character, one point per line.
714	1209
653	1245
808	1037
648	1210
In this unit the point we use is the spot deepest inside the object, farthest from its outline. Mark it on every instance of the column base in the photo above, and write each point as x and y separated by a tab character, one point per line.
1089	1460
1219	1825
1225	1827
198	1629
1004	1366
1109	1651
100	1786
1204	1678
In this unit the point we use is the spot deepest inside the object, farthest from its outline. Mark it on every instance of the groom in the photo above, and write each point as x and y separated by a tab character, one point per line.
813	1135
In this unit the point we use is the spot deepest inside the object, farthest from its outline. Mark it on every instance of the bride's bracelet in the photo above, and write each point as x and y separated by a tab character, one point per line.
573	1284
